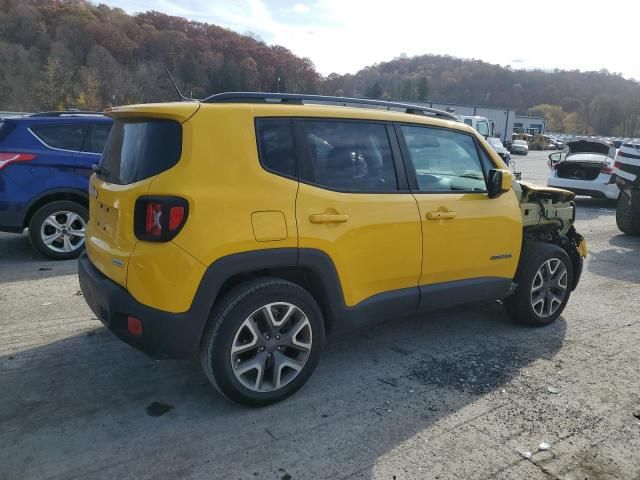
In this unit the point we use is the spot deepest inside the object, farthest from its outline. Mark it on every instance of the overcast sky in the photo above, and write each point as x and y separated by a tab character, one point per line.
345	35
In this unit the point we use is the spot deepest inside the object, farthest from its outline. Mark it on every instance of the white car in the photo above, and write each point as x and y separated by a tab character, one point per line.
520	147
584	167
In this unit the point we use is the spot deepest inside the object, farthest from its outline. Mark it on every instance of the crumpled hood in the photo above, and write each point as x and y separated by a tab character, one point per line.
556	194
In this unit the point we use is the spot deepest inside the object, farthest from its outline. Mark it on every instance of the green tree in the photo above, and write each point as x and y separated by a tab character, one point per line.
375	91
423	88
53	90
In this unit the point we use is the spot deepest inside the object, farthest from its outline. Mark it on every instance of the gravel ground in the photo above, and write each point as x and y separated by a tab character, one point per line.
461	394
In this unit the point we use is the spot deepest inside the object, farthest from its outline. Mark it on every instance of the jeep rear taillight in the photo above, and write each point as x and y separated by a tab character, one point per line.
7	158
159	219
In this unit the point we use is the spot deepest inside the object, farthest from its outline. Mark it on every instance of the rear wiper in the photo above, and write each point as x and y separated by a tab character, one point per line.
99	170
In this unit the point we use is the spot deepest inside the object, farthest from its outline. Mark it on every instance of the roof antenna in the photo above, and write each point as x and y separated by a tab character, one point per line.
182	97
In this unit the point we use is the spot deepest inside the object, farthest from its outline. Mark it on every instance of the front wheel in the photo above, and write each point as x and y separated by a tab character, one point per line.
544	279
57	229
263	341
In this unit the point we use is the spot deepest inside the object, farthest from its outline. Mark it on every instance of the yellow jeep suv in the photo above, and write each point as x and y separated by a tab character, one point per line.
244	227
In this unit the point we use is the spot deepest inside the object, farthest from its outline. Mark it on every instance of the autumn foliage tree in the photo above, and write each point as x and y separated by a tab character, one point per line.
71	53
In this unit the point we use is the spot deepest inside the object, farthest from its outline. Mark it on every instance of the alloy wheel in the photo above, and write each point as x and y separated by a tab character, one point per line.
549	287
271	347
63	231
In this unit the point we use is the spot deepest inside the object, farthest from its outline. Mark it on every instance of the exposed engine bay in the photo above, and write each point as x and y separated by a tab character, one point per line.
544	207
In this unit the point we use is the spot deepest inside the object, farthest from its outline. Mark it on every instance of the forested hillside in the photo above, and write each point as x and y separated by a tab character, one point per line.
573	101
57	54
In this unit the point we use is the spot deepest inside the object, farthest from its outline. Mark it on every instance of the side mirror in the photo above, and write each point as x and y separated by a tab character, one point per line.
555	157
499	182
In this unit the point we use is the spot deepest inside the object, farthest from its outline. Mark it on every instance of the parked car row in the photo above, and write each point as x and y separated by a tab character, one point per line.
519	147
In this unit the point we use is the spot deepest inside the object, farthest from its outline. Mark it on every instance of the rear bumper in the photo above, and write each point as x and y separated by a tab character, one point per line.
597	188
11	219
165	335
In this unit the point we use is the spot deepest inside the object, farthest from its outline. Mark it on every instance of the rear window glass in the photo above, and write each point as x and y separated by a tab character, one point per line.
64	137
139	149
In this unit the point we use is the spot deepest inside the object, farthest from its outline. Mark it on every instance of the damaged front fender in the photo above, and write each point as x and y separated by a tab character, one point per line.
546	207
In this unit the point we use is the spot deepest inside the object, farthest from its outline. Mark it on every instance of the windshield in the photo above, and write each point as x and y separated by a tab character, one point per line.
519	142
483	128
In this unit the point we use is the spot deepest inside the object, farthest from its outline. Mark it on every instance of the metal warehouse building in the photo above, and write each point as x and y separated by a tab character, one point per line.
506	120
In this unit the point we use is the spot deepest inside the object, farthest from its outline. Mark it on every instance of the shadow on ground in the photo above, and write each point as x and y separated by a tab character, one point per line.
89	406
19	261
621	262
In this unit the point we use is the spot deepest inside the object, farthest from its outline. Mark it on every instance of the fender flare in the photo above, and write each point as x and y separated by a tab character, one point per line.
316	264
48	193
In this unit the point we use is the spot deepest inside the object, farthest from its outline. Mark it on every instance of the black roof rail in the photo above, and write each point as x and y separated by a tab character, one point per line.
60	113
300	99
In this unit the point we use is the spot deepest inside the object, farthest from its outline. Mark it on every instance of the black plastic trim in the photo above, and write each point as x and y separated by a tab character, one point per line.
178	335
300	99
459	292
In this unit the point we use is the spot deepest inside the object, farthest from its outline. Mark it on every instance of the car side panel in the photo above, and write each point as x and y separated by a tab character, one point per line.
22	183
483	240
377	250
221	178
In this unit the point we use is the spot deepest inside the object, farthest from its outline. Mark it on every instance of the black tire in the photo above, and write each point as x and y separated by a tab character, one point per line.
226	321
520	304
628	221
36	226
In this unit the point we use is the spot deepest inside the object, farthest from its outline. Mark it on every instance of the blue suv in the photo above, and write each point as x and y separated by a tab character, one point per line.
45	165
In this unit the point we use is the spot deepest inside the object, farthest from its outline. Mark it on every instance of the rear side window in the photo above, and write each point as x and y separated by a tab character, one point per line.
97	138
64	137
139	149
349	156
275	144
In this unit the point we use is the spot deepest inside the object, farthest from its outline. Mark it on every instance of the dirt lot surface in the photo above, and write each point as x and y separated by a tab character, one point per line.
461	394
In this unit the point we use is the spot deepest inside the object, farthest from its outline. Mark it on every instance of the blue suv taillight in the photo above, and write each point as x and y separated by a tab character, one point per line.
7	158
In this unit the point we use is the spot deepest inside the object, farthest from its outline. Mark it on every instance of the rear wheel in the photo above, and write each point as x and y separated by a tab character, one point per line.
628	221
544	279
263	342
57	229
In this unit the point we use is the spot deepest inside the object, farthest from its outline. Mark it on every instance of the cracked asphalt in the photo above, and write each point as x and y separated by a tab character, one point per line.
462	393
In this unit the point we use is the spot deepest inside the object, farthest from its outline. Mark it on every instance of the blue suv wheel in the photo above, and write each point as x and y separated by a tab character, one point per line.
57	229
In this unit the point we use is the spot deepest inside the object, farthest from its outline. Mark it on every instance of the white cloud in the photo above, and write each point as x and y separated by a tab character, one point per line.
349	35
300	8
